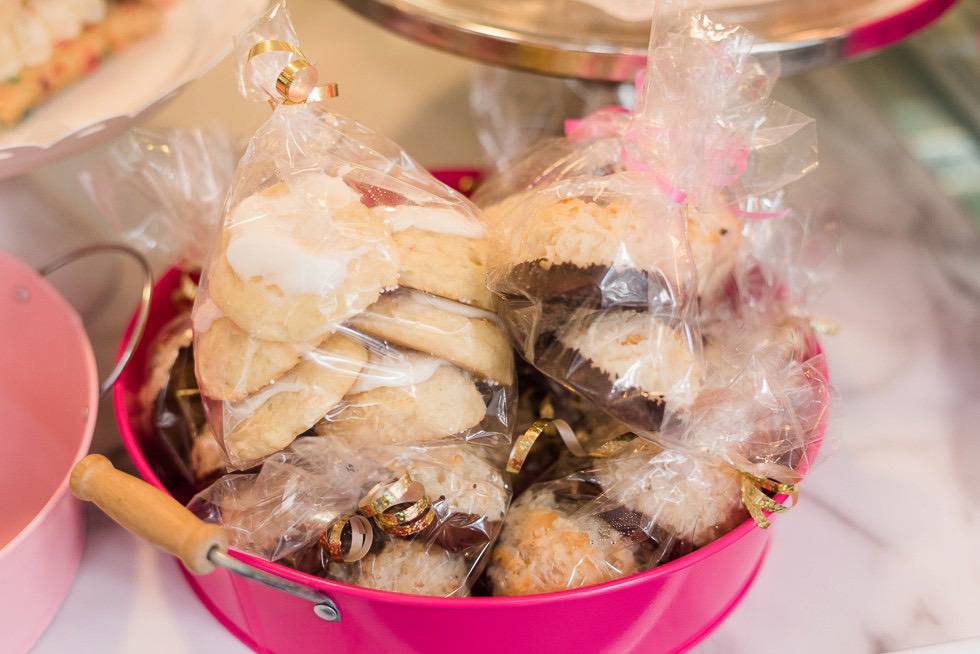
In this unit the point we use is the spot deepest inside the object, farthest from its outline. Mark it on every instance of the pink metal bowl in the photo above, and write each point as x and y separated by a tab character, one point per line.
48	404
667	609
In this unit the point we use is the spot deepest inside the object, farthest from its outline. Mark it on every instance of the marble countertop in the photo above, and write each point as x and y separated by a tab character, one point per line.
880	554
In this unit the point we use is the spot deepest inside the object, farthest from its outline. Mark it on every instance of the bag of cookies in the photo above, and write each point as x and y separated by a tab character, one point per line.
343	310
612	516
648	259
317	506
345	295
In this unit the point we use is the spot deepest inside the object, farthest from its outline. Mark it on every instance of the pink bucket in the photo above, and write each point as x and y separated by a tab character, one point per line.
48	402
667	609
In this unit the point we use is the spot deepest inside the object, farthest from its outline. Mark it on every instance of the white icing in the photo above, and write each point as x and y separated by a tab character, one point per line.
10	61
441	220
450	306
290	241
33	40
58	18
402	369
235	412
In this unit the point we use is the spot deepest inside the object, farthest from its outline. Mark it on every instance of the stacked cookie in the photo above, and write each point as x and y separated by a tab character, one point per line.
597	288
370	322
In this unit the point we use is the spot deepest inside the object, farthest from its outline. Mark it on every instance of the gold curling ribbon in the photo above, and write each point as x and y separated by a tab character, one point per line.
757	502
384	502
824	327
383	495
522	447
361	538
297	81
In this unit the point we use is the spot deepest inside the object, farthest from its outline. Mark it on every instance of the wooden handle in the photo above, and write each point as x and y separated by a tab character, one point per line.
148	512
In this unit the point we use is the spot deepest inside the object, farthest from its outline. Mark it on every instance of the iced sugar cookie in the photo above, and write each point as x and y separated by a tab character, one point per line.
299	258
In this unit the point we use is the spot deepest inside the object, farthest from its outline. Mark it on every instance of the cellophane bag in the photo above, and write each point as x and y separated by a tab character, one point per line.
161	191
344	302
653	261
600	503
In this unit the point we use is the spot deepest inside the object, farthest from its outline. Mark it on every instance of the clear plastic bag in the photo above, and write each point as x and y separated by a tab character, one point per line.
342	272
648	259
344	307
163	191
308	507
612	517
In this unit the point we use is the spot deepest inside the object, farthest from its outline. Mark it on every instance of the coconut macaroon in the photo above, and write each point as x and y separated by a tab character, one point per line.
545	547
405	397
407	566
456	471
435	240
601	250
632	364
300	257
694	500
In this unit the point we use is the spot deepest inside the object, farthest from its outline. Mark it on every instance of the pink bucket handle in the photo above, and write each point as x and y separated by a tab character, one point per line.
146	298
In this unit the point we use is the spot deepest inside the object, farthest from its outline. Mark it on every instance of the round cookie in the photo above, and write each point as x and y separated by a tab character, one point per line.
592	252
433	240
270	419
299	258
469	494
631	364
407	566
544	547
407	399
231	365
695	500
466	336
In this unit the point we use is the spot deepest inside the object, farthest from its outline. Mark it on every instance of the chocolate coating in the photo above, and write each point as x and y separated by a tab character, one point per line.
641	409
595	286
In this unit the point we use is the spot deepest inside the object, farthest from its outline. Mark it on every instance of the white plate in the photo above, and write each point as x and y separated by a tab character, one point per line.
196	35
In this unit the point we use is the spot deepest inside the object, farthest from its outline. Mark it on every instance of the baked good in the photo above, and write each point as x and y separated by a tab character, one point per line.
47	45
405	397
269	420
231	365
602	251
694	500
628	362
406	566
547	545
442	251
467	336
469	494
298	258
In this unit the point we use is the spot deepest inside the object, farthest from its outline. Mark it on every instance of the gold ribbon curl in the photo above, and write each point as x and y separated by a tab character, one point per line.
522	447
758	502
297	81
399	507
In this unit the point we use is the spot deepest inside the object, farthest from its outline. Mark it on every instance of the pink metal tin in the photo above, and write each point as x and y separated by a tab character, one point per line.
666	609
48	404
